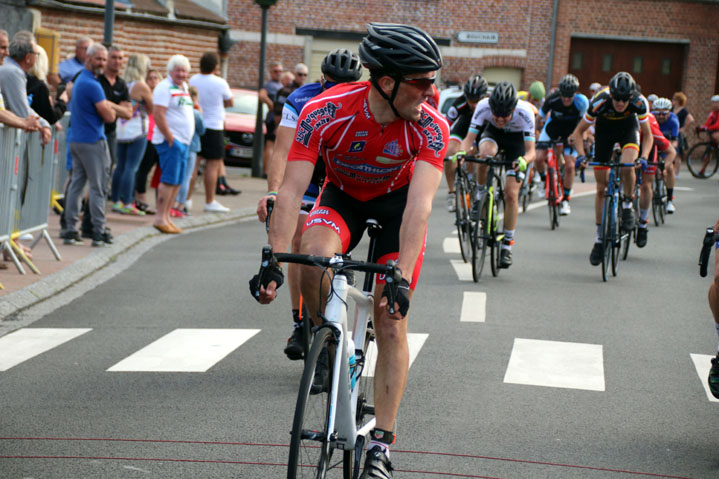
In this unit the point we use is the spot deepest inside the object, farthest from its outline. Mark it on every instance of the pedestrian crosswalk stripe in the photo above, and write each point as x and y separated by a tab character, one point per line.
415	342
26	343
450	245
463	270
186	350
556	364
702	363
474	305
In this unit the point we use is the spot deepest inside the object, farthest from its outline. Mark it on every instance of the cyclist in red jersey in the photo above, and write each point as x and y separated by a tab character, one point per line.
383	147
712	123
646	194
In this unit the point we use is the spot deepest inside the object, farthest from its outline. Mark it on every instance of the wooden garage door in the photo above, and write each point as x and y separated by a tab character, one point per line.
656	66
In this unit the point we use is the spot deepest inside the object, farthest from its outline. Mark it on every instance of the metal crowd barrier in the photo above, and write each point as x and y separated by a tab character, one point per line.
27	176
61	171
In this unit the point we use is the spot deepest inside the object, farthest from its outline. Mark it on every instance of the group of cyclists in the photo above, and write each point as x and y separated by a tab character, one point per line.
347	151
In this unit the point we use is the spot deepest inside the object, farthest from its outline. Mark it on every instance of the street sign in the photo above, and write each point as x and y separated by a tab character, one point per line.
478	37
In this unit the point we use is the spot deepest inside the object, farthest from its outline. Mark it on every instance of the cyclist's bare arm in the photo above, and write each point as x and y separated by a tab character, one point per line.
577	136
468	144
284	216
647	139
530	153
276	170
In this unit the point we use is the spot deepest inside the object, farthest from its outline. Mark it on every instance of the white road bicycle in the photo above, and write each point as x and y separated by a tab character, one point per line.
338	417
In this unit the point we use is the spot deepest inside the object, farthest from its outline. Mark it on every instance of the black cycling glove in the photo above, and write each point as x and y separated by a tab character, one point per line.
267	274
397	293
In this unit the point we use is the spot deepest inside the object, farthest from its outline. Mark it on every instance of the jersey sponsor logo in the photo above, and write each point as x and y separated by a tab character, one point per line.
392	148
365	168
433	133
321	211
361	134
523	115
357	146
388	161
365	109
314	121
324	222
362	178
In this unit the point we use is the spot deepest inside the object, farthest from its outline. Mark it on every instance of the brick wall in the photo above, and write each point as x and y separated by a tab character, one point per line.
157	40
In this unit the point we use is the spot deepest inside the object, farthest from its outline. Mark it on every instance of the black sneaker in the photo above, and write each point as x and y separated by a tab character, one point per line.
642	232
87	234
714	377
72	237
294	349
321	384
376	465
101	239
595	257
627	219
505	258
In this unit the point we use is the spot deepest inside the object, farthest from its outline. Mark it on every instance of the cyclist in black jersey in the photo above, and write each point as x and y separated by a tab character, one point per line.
619	111
459	116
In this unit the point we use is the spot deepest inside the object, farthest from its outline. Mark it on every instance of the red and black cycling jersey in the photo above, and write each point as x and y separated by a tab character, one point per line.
601	108
459	116
364	158
712	123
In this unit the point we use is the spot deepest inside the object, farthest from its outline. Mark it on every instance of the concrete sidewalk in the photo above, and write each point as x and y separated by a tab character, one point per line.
78	262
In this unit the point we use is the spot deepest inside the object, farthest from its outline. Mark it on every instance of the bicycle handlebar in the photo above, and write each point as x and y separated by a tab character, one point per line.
710	239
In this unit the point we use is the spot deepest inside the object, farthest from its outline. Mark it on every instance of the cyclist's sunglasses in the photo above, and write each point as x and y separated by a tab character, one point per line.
661	112
421	83
622	99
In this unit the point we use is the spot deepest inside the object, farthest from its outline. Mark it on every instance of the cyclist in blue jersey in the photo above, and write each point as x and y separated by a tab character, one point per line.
561	111
339	66
669	126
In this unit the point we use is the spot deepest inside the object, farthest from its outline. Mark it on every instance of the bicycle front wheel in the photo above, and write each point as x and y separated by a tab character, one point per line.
481	238
607	214
703	160
464	225
552	199
310	450
497	229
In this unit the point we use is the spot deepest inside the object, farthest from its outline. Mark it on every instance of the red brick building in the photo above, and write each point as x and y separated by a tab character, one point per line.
667	45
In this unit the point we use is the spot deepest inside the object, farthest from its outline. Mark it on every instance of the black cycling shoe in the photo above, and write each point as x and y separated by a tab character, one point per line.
595	257
714	377
376	465
505	258
642	236
321	383
627	219
294	349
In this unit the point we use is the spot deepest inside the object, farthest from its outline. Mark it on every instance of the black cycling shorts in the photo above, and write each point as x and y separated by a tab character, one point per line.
609	132
511	142
347	216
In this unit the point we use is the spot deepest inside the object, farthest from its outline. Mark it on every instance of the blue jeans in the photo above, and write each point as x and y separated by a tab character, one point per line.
185	186
129	156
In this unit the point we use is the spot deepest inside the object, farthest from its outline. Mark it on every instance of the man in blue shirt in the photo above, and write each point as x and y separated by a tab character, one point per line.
88	145
69	68
669	126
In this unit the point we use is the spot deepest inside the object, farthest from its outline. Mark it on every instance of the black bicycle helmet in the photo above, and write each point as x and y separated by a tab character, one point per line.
568	85
399	50
476	88
342	66
621	86
503	99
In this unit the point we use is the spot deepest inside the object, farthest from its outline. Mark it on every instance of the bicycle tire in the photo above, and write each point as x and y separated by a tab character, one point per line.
551	198
616	239
606	235
698	155
480	240
656	200
625	239
306	332
464	226
497	206
310	454
665	199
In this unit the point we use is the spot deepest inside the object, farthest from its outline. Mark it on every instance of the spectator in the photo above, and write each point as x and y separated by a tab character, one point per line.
289	85
7	117
88	145
174	128
181	208
70	67
214	96
116	91
150	157
266	94
679	102
301	73
13	80
132	136
4	45
712	124
38	92
594	88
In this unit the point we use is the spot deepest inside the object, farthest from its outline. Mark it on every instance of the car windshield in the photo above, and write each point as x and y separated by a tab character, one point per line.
244	103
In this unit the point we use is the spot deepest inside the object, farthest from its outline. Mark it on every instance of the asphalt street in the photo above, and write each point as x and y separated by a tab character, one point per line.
542	372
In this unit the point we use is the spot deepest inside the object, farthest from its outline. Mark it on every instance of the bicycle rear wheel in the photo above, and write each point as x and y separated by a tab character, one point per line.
664	198
496	231
310	451
481	238
464	224
703	160
606	236
616	241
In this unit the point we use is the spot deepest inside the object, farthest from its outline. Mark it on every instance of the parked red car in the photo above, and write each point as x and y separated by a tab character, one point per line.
240	127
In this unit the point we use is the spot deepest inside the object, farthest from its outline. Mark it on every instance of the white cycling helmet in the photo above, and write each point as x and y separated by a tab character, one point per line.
594	87
652	98
662	104
715	98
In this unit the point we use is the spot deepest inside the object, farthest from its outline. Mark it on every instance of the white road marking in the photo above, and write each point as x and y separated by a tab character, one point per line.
26	343
463	270
556	364
474	305
703	365
450	245
415	340
186	350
